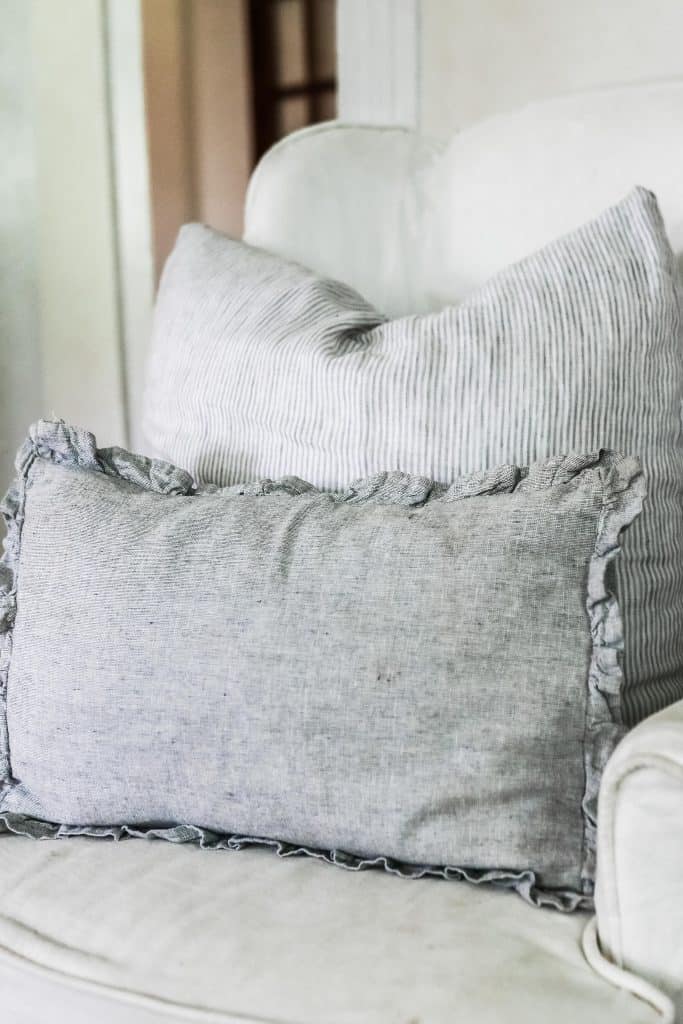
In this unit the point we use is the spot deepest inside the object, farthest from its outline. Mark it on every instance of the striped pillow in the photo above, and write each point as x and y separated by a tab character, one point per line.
261	368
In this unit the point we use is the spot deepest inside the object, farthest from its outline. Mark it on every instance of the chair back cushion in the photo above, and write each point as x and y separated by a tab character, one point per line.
415	225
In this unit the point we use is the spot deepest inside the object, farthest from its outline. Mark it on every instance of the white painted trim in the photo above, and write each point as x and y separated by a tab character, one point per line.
378	56
78	297
132	208
20	370
95	268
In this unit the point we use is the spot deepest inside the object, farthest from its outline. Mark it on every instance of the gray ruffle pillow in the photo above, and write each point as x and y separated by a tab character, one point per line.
404	673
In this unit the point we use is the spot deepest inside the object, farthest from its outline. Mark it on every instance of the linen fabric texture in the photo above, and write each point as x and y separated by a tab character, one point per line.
160	933
406	674
260	367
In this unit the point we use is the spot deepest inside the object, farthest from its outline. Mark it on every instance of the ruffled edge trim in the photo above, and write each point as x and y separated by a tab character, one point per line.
522	882
623	491
623	495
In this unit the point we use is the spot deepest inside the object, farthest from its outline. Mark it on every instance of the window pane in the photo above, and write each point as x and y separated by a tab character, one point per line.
324	39
290	42
327	106
292	113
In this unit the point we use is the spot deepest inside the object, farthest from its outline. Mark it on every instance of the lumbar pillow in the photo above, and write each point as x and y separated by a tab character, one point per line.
261	368
403	673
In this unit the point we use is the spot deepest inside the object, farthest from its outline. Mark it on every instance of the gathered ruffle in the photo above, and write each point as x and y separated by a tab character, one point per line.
623	491
623	494
522	882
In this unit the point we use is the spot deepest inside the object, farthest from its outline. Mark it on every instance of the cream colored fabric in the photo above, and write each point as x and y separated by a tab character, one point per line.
287	941
639	894
415	225
348	202
622	978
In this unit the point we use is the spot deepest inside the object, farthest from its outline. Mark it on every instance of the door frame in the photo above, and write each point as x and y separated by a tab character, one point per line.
378	57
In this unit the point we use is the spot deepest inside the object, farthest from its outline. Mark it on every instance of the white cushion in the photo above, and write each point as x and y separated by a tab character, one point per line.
414	225
155	929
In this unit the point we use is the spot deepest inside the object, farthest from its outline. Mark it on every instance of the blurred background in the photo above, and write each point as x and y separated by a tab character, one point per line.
122	119
223	82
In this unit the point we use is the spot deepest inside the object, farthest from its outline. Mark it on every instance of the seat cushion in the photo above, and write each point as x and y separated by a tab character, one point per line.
139	930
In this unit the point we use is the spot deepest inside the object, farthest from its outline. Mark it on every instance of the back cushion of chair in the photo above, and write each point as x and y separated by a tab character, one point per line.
415	225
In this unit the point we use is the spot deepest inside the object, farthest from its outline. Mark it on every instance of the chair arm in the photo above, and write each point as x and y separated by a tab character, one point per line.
639	888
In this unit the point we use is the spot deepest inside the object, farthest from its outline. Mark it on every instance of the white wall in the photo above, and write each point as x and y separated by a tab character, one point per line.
479	57
438	65
20	378
378	74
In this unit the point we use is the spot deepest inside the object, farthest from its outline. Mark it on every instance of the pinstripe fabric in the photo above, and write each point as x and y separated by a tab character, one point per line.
261	368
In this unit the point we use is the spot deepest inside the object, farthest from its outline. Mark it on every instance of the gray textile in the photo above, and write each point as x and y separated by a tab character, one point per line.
260	368
408	673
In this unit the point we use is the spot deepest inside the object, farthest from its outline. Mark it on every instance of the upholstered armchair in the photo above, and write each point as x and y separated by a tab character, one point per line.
147	931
